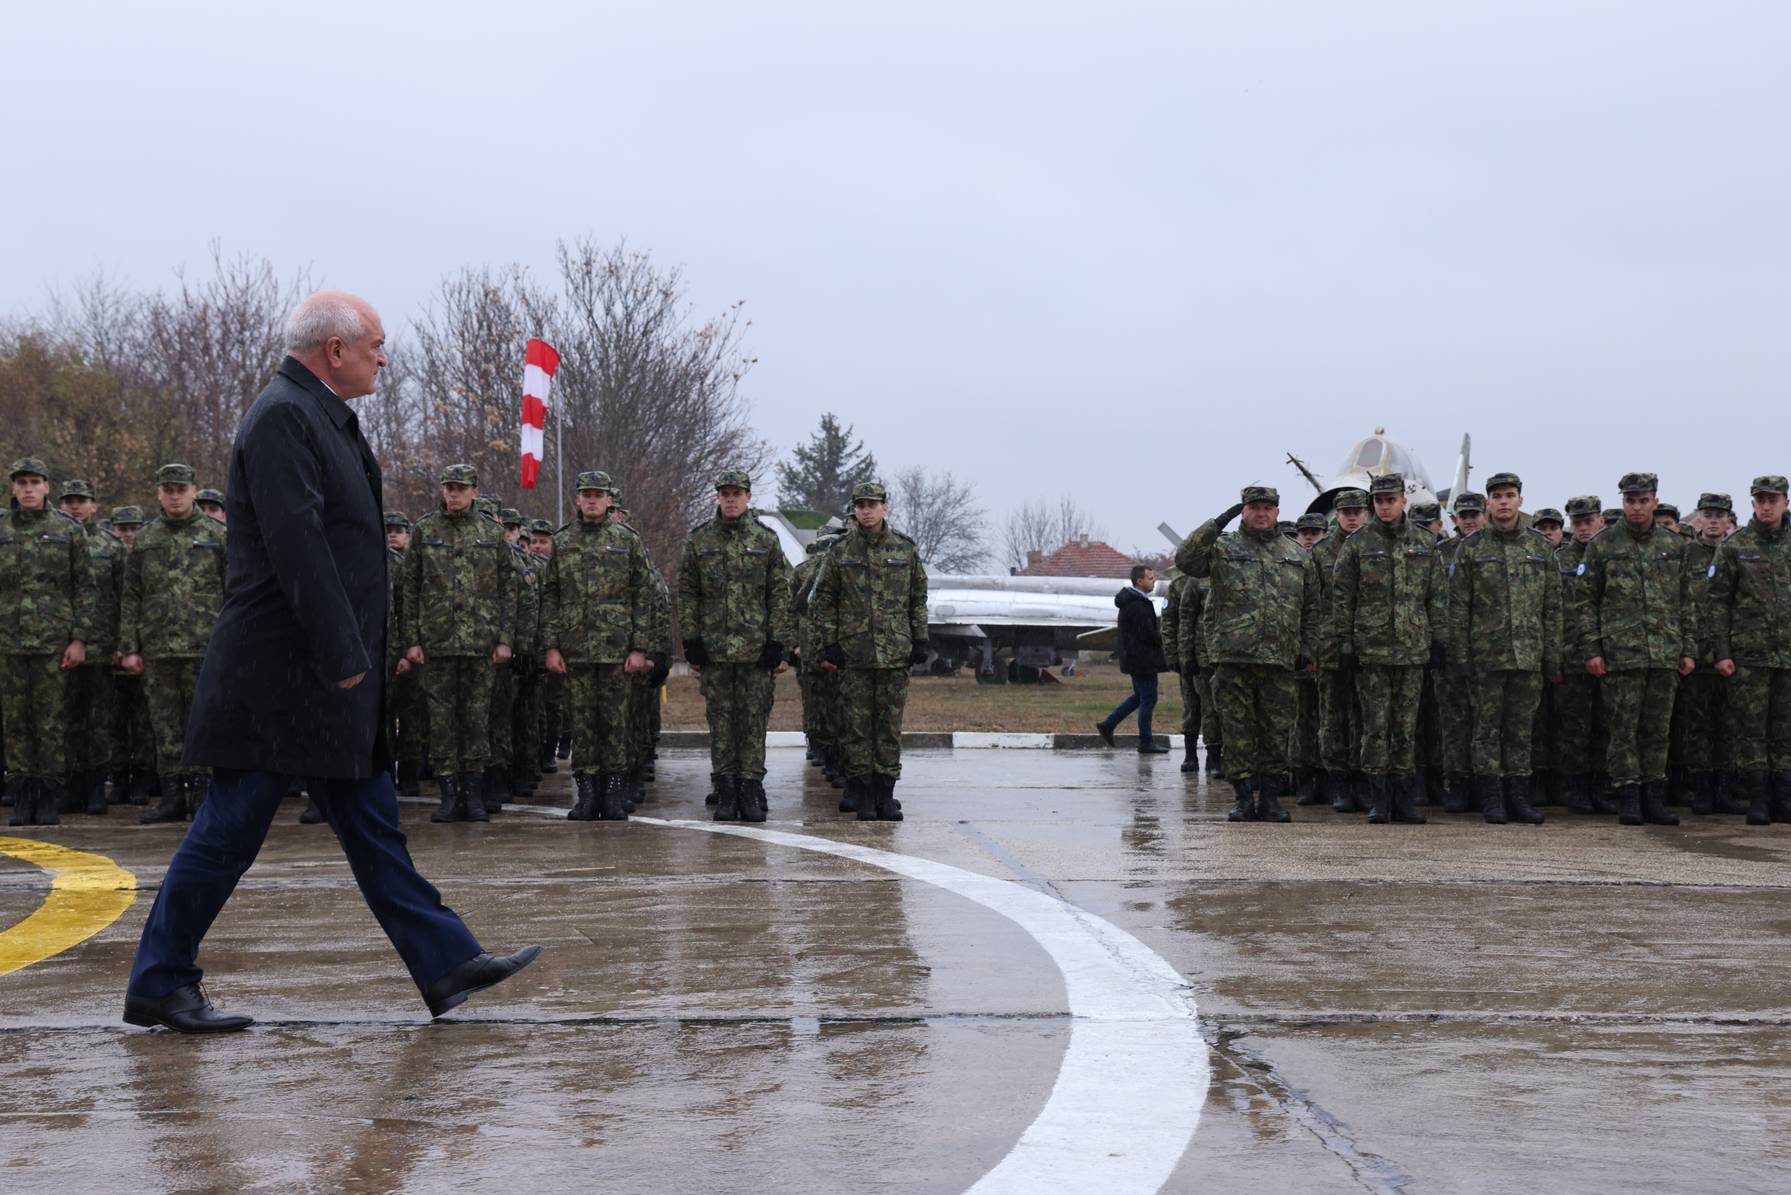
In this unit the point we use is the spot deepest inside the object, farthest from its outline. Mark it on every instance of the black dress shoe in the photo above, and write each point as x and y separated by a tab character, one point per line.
474	975
184	1010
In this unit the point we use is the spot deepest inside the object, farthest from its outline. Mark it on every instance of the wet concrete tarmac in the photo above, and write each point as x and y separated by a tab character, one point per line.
1453	1007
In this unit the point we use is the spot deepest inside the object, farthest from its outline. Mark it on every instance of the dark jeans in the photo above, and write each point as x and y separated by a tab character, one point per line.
1143	699
223	841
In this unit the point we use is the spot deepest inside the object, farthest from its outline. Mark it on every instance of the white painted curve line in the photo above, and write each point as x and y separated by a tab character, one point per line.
1129	1092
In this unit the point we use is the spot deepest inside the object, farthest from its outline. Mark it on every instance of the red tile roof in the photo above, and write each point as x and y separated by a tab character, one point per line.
1081	558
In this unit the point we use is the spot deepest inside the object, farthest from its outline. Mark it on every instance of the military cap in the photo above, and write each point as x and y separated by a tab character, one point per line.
1585	504
1770	483
739	477
30	464
397	518
1510	479
1310	523
1261	493
209	495
1426	512
126	516
1666	510
1388	483
1548	514
540	527
1467	501
509	516
871	491
1638	483
1286	527
486	505
595	479
460	475
175	474
1350	500
1715	501
1614	514
78	489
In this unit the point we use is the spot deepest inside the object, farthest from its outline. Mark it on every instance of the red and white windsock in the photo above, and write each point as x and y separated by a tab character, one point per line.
540	361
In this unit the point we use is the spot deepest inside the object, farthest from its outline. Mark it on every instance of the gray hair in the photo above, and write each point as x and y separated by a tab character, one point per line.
323	315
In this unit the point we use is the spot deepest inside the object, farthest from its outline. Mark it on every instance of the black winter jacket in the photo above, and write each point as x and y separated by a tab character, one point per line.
1140	639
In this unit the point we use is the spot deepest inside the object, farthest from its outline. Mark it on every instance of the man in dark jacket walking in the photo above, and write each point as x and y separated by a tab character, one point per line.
293	683
1141	657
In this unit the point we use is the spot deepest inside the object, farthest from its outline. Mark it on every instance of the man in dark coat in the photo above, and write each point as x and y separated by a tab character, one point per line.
293	683
1141	657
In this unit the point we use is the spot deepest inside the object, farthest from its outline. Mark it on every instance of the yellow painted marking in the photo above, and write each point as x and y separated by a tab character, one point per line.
87	893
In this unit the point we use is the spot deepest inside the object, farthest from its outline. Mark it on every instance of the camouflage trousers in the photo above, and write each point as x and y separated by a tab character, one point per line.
1759	717
133	738
1257	706
1302	748
737	702
1700	713
824	705
1430	724
1638	714
1339	722
526	725
88	744
556	705
1542	728
1505	705
33	706
458	690
409	715
1580	724
599	718
501	718
168	686
643	695
1389	696
871	705
1190	687
1212	732
1455	719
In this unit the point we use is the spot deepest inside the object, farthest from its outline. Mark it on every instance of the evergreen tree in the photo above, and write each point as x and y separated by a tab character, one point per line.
825	470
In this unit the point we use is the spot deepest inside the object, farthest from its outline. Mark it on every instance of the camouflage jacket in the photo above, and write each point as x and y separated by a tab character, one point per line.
1505	598
870	598
1390	595
1174	642
596	606
660	629
527	643
1263	604
1750	598
394	616
105	559
802	583
173	588
734	589
46	583
1567	565
1637	604
459	585
1324	555
1699	558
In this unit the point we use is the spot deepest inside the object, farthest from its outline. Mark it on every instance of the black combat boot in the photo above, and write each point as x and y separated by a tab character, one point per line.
1456	800
170	804
1215	762
46	797
94	794
1579	794
649	768
545	763
1244	808
6	794
406	779
1551	794
1757	788
753	804
1380	801
24	809
498	788
1436	787
1728	797
1306	787
1629	805
584	804
1703	792
888	808
1605	799
865	806
1781	796
1489	798
1404	791
714	789
727	808
1517	801
849	798
811	754
613	810
1343	794
71	795
565	747
633	791
1268	802
472	796
311	815
451	808
1678	786
1654	805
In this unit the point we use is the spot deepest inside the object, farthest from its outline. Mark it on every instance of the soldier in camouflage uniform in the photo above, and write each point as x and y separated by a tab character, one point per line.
1749	606
133	739
643	687
1546	787
408	712
1194	626
596	617
210	502
1175	643
173	590
1429	517
1262	626
46	617
1701	709
501	780
459	607
1339	707
1389	616
1505	627
870	609
89	743
1637	626
1302	750
523	744
551	687
1580	740
1454	701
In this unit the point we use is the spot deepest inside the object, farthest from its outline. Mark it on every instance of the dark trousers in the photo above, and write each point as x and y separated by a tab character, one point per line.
223	841
1143	699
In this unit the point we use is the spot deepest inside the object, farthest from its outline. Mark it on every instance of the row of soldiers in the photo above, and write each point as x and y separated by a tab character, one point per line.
1381	664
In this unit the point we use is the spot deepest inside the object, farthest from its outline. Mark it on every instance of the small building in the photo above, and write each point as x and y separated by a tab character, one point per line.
1081	557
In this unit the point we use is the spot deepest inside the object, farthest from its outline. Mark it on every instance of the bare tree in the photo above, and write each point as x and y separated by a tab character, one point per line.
943	517
1043	527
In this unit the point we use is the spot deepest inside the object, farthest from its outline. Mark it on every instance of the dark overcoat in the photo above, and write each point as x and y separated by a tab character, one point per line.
304	596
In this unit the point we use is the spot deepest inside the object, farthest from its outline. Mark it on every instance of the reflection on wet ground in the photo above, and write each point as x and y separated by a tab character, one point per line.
1449	1007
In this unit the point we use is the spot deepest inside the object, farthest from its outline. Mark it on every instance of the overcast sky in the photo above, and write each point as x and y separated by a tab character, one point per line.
1137	252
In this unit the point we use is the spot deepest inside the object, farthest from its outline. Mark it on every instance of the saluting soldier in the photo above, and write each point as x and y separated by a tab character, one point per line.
459	609
1262	627
1339	705
90	705
173	590
596	620
870	604
1637	625
46	617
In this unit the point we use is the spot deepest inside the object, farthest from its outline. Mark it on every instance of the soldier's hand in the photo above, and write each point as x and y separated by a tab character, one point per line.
696	651
1595	666
352	681
1175	667
415	655
1439	655
132	664
636	662
1725	668
500	654
556	663
1557	678
402	667
833	658
1230	513
771	656
917	652
1687	665
75	654
783	666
